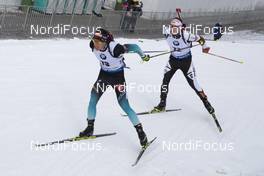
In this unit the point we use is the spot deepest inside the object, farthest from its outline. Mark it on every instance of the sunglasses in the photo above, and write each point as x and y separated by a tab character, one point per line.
95	40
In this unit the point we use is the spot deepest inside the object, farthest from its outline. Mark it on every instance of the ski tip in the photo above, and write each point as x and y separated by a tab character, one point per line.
220	130
150	142
134	164
41	145
142	151
106	134
154	138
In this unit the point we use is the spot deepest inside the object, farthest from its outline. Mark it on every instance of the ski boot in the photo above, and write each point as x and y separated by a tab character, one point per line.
208	106
160	108
88	130
206	103
141	135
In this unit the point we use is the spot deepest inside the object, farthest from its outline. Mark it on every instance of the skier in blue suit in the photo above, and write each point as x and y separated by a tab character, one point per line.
110	55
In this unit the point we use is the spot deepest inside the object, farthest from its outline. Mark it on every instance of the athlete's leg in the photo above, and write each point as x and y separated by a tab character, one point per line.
121	96
189	72
169	71
98	89
96	94
124	104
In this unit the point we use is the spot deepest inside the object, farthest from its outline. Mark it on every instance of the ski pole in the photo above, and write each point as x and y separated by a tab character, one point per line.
207	39
226	58
155	51
168	52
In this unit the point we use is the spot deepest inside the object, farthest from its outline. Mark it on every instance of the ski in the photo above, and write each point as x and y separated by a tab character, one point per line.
77	138
143	149
217	123
149	112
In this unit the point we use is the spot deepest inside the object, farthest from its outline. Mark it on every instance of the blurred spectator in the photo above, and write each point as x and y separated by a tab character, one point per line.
95	6
103	8
218	30
133	10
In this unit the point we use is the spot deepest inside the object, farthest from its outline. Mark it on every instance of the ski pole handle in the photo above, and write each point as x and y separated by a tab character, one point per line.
226	58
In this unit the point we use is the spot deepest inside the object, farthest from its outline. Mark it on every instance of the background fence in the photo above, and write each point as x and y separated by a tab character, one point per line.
17	21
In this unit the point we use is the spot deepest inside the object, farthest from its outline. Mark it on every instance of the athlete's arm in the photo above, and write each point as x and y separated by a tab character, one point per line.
119	50
199	39
134	48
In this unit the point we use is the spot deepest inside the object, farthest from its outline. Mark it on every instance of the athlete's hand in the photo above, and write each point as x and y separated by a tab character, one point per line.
206	49
145	58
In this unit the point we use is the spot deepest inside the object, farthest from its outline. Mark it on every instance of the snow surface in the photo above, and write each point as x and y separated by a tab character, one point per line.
45	89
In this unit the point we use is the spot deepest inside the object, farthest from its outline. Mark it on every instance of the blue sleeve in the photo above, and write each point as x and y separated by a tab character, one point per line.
134	48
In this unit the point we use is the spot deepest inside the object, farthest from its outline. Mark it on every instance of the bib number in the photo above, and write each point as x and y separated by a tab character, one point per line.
105	63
